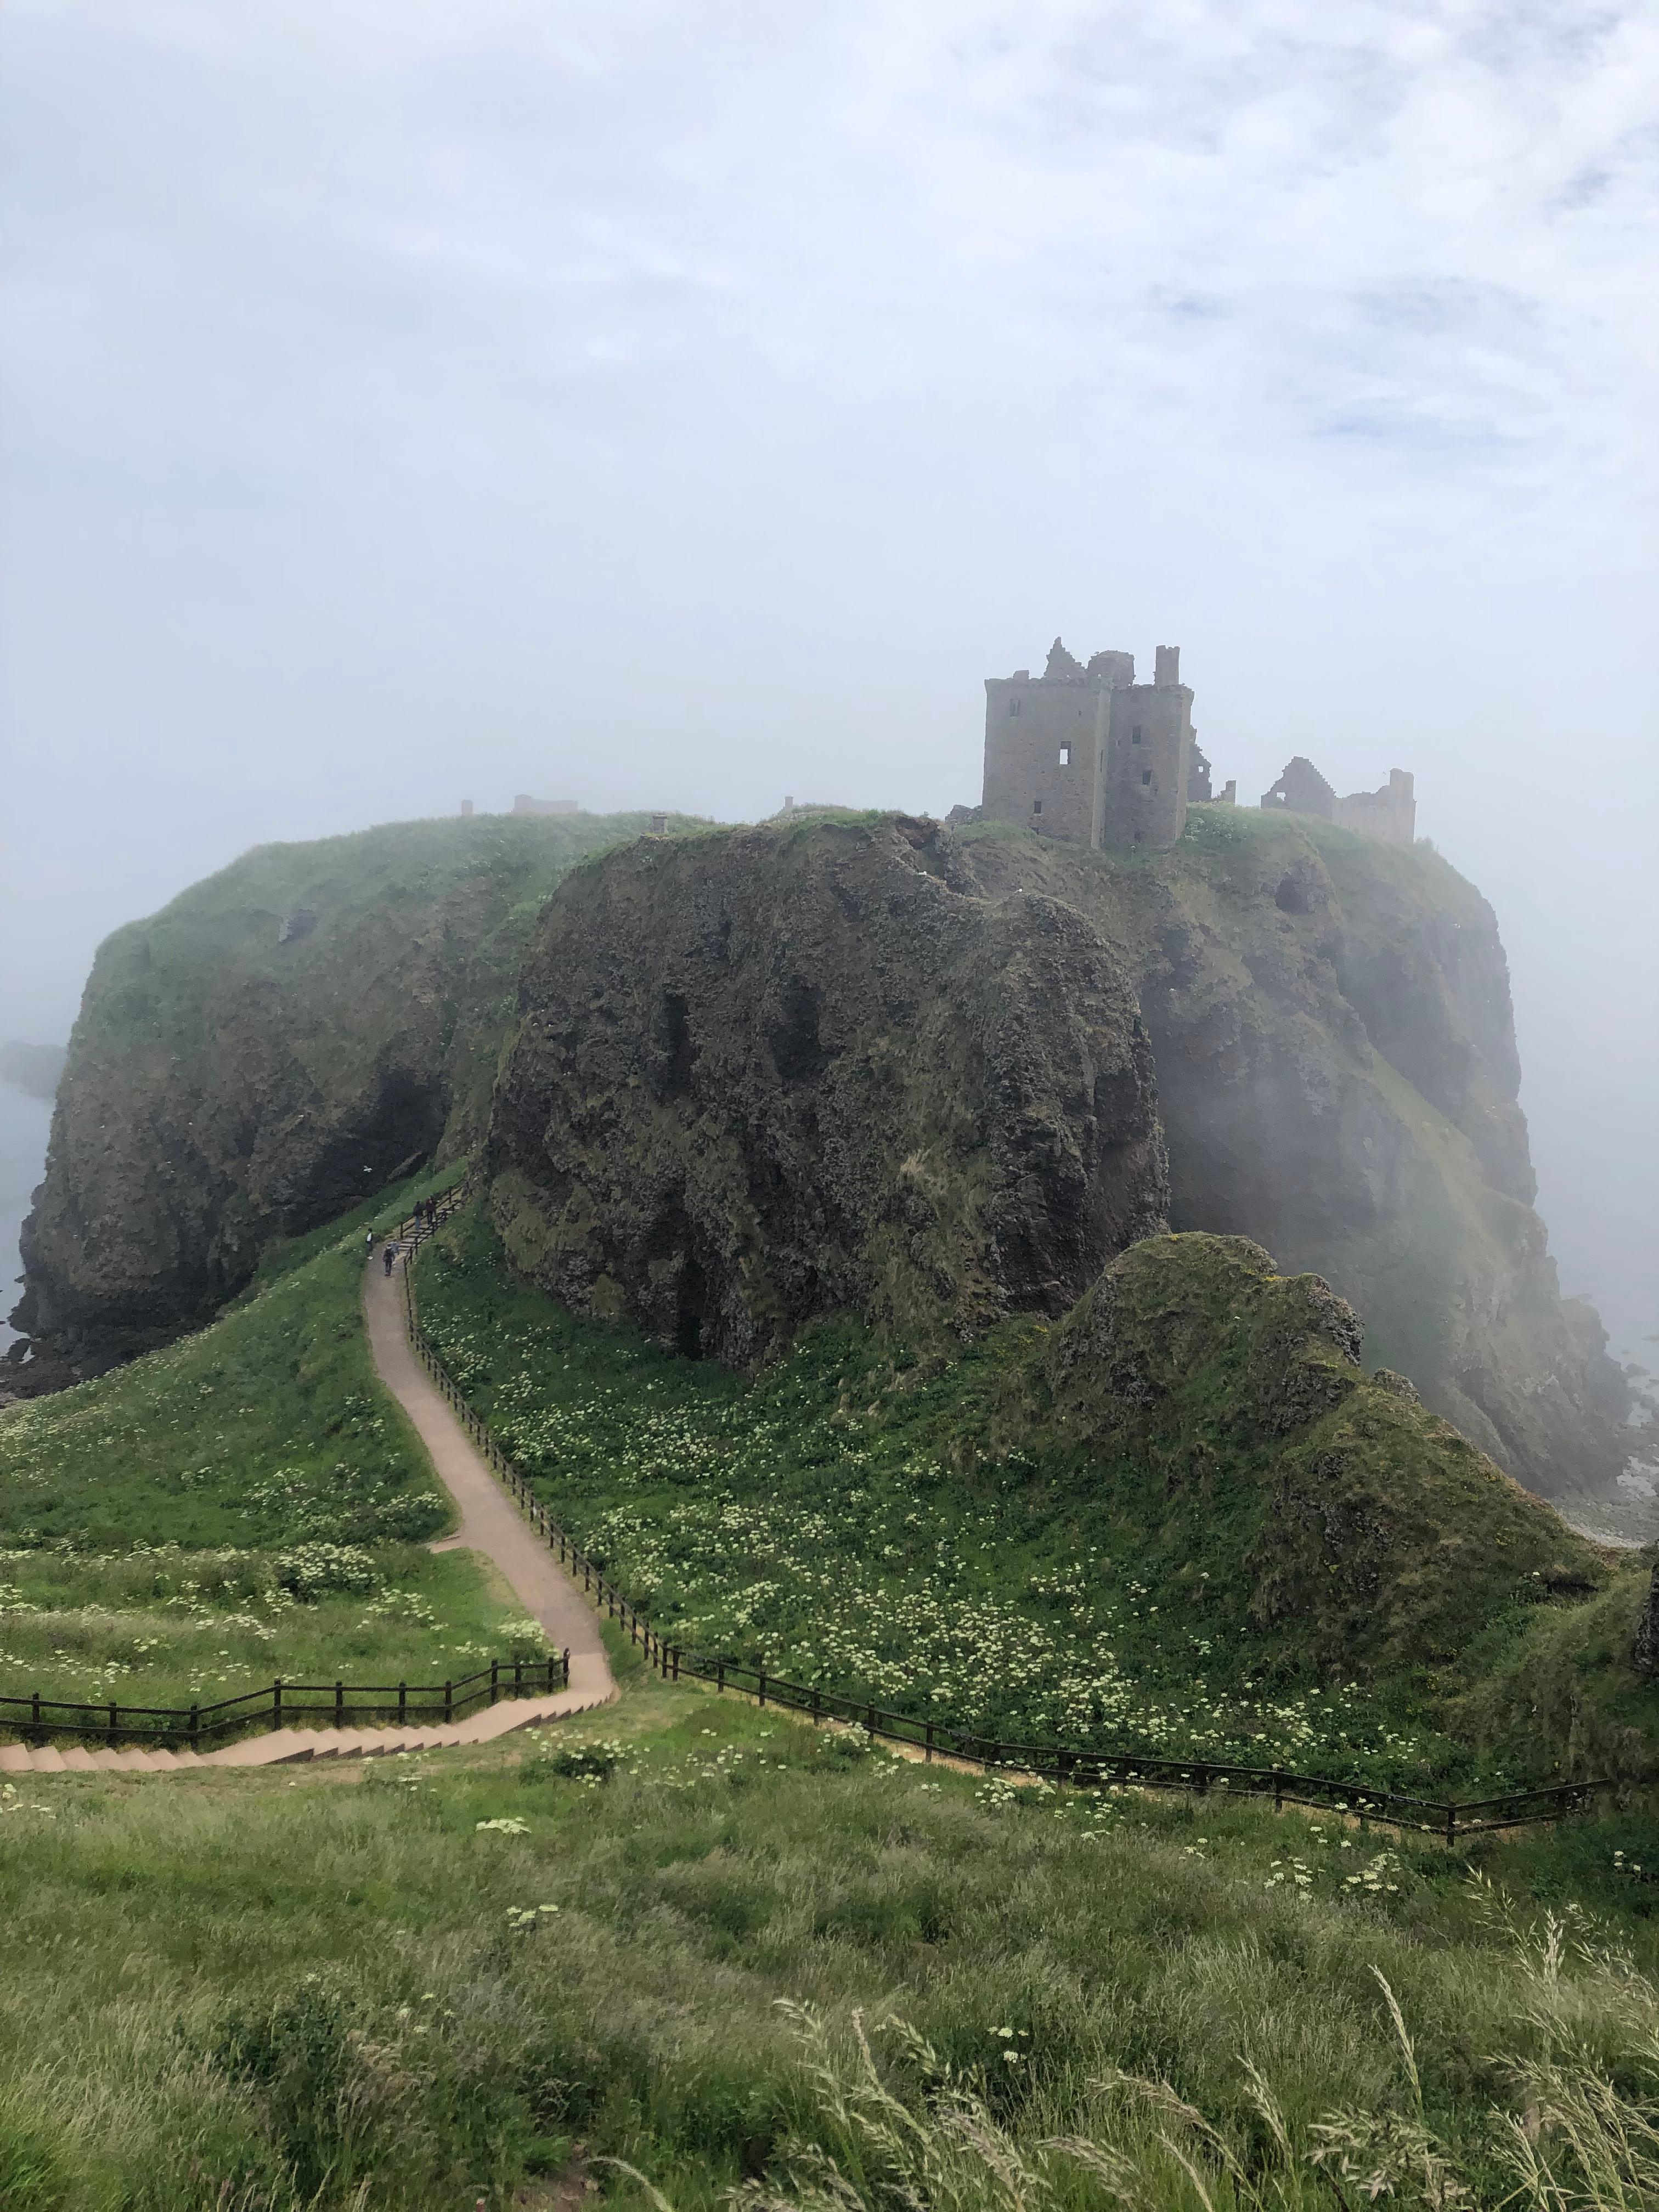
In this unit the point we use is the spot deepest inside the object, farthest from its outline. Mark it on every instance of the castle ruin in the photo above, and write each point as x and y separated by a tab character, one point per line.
1086	754
1388	814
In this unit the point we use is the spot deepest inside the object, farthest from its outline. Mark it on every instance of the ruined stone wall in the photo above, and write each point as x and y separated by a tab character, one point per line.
1042	755
1147	762
1388	814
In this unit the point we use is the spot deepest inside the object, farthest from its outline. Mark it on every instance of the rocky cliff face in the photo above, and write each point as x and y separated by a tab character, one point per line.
768	1074
1337	1077
268	1049
756	1073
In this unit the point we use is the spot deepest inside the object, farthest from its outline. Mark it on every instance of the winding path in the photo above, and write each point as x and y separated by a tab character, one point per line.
490	1524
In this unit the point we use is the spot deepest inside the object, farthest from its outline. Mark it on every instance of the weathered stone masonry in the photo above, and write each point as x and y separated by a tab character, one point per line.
1088	755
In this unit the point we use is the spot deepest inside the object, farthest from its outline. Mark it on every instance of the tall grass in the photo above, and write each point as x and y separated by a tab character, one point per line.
438	1981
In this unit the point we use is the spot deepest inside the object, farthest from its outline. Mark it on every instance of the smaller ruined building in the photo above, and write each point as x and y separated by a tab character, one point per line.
1088	755
1390	814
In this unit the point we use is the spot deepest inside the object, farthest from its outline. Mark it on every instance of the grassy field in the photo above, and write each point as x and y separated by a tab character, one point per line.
442	1984
244	1505
907	1534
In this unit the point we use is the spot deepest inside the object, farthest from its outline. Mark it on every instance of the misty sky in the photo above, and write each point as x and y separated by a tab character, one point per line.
688	404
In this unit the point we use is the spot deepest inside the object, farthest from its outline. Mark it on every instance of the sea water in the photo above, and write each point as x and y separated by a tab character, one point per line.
24	1123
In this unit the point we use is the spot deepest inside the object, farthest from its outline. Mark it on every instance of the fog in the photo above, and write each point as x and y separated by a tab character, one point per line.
685	405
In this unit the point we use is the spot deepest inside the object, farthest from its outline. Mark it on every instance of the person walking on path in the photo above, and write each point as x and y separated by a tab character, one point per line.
389	1254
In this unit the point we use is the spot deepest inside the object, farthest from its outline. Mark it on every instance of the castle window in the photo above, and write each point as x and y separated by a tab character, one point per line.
1146	775
1134	735
1036	807
1065	756
1013	707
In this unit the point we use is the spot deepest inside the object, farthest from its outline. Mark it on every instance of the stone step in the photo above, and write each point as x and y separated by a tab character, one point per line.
15	1759
78	1760
47	1760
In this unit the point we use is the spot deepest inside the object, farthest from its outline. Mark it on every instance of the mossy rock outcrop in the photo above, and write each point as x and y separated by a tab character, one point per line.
270	1049
1332	1058
770	1074
1229	1405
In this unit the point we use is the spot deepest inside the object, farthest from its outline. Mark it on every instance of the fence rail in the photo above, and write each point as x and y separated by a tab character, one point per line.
283	1705
1058	1764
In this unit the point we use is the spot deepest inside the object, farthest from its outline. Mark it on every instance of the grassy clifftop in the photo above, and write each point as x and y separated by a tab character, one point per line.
281	1039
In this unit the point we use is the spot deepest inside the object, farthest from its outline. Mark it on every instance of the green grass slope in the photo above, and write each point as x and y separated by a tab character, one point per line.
247	1505
1181	1521
476	1980
279	1041
1337	1077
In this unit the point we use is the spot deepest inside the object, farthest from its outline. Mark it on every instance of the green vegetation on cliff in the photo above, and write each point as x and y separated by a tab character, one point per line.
1329	1030
1337	1077
765	1075
1181	1520
282	1039
246	1505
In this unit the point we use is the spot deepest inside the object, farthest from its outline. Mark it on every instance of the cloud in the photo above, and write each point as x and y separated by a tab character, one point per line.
686	403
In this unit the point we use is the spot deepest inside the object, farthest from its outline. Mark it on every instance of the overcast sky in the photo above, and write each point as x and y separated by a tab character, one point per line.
685	404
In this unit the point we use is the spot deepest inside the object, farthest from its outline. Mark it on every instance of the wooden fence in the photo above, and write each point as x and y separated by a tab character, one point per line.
286	1705
1056	1764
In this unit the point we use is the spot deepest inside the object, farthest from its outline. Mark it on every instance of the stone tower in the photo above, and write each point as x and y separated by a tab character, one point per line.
1088	755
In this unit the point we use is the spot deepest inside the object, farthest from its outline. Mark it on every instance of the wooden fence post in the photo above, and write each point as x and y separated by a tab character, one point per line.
449	1703
195	1725
494	1680
277	1703
403	1702
340	1705
928	1754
